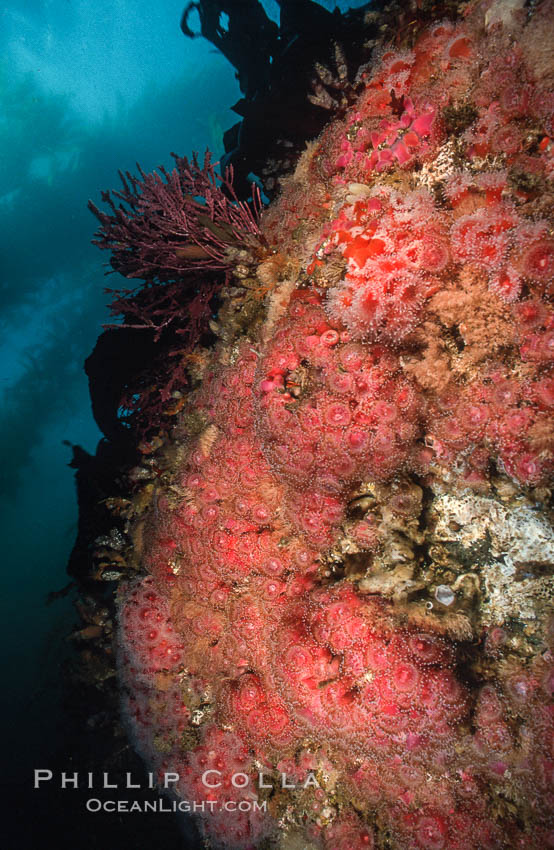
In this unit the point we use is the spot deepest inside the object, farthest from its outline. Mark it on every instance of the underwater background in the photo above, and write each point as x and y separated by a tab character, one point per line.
85	90
317	537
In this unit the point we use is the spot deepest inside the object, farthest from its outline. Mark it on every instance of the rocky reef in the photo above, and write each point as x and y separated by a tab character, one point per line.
338	556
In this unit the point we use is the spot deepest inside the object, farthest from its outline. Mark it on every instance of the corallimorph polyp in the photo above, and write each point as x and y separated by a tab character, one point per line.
286	618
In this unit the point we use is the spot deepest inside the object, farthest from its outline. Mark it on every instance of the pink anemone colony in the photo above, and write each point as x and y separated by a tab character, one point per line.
406	348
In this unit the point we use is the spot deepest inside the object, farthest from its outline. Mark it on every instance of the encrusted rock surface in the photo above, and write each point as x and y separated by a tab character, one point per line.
344	551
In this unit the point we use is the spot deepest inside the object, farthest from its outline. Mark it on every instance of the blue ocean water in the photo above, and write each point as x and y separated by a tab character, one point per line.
85	89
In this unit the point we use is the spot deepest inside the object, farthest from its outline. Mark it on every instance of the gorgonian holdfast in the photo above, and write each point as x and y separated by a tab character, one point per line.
174	223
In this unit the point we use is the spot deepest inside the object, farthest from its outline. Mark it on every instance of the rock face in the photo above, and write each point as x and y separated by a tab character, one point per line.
346	565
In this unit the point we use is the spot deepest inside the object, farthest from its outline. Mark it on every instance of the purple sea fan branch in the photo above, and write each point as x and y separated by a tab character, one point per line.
179	232
169	224
157	306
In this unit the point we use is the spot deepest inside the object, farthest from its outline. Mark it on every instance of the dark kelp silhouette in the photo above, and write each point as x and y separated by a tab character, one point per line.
277	70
